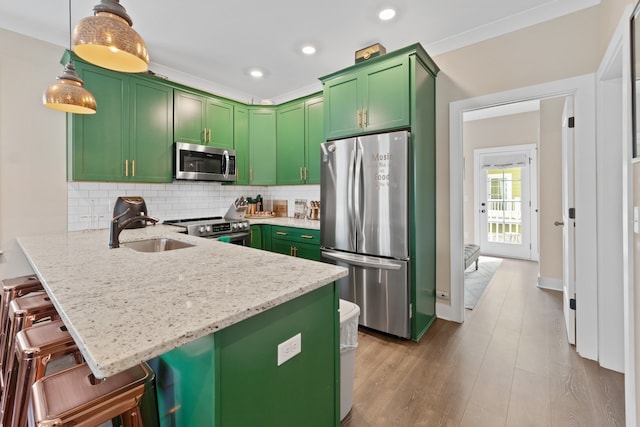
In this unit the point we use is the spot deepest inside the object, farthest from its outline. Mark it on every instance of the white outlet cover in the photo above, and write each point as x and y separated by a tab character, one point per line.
289	348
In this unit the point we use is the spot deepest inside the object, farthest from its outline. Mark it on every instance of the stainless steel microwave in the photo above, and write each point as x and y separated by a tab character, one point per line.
203	163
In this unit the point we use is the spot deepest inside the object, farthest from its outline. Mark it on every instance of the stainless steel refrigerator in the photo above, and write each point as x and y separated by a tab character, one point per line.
365	225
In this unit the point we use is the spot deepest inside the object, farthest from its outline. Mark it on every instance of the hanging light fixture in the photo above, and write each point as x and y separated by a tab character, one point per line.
106	39
68	93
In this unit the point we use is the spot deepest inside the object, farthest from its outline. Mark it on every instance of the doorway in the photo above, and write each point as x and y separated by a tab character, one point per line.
504	199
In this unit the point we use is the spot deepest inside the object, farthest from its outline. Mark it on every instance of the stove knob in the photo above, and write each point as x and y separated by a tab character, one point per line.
234	227
201	229
208	228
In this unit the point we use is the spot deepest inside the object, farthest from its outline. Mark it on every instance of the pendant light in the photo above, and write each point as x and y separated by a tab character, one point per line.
68	93
107	39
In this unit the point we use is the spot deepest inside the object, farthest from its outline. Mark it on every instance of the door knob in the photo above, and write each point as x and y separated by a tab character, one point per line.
558	223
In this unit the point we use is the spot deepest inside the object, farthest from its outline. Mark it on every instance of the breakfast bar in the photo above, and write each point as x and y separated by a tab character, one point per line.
210	315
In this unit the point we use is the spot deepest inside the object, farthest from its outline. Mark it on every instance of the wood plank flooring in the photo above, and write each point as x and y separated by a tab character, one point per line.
508	364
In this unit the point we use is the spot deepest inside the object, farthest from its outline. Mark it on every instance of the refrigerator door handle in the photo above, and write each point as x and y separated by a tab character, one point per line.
350	194
358	191
363	260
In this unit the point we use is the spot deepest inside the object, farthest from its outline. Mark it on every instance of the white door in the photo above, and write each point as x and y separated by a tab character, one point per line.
568	222
504	201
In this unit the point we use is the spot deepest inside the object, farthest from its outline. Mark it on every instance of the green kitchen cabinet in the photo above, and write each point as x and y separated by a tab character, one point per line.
314	128
262	146
298	242
300	132
290	159
241	143
130	137
202	119
257	241
368	98
233	377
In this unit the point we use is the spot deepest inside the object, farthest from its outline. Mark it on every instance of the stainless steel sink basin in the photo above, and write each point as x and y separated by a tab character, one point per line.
157	245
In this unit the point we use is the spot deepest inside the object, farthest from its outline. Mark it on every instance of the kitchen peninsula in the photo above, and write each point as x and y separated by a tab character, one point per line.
211	316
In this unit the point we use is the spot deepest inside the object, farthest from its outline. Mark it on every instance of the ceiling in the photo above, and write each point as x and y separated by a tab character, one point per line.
212	45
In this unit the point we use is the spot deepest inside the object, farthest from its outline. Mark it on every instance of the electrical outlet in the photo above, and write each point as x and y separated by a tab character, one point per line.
442	294
289	348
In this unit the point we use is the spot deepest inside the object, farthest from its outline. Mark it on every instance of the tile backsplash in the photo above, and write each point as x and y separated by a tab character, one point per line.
90	204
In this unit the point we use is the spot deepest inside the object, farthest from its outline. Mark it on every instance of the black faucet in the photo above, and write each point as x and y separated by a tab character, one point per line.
115	228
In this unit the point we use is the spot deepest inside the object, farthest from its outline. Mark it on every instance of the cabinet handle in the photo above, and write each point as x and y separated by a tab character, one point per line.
305	173
364	118
204	135
358	115
126	168
306	236
209	138
250	175
300	173
133	168
290	250
281	233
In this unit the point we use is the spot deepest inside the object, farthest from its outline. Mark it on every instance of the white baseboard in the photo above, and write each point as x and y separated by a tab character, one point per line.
550	283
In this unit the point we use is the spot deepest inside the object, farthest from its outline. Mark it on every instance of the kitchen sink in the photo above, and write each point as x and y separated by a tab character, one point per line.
157	245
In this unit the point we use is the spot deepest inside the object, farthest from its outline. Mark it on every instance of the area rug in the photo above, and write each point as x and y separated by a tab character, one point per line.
475	281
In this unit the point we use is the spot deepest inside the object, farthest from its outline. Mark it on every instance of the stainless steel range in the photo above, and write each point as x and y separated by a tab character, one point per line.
215	227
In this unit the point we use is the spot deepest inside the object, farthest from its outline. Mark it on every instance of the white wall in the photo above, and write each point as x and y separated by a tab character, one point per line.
32	148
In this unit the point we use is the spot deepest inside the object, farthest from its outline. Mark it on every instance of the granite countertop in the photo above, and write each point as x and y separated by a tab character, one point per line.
286	221
123	307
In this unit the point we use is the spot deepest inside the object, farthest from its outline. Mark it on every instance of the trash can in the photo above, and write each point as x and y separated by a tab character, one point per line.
349	313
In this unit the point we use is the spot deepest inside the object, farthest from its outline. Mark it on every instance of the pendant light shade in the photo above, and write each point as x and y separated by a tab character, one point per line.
107	39
68	93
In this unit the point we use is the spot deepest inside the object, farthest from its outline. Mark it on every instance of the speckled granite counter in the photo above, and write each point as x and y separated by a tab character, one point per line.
123	306
287	221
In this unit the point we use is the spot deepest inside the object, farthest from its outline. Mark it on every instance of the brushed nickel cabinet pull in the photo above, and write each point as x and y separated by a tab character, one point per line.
281	233
306	236
126	168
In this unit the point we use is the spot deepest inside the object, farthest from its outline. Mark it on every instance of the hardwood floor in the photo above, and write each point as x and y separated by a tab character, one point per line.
508	364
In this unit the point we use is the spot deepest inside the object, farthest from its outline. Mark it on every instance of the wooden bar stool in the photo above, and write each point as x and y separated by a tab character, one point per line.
23	313
11	289
35	348
75	397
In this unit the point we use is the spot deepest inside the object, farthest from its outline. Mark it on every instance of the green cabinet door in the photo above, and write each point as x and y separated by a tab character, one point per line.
151	137
307	251
386	96
219	123
262	146
282	246
189	120
314	128
100	141
241	143
256	237
290	144
342	106
370	99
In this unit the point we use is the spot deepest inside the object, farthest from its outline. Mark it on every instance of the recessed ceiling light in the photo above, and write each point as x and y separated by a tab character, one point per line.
387	14
256	73
308	50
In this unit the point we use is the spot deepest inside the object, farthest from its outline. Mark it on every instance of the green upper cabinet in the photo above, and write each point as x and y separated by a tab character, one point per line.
368	98
203	120
151	131
241	143
290	160
300	132
262	146
130	136
314	127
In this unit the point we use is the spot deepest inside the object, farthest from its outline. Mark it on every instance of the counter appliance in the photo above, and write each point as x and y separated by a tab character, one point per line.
365	225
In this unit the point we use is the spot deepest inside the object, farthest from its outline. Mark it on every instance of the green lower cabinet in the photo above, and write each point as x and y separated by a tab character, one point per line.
256	237
294	241
232	378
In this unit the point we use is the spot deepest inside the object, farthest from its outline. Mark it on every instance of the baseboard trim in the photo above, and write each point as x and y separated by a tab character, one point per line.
550	283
